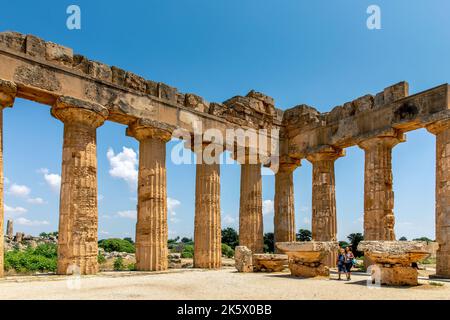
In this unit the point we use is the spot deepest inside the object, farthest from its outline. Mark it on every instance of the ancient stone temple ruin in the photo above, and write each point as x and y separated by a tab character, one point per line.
83	94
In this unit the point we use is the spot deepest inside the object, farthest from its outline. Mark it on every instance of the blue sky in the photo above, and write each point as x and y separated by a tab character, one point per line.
320	53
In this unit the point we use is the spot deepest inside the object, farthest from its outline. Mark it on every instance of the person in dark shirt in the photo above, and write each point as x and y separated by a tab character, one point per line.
341	262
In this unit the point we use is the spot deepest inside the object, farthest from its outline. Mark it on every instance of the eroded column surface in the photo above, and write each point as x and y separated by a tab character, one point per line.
284	218
442	132
78	216
207	229
250	208
151	227
7	95
379	217
324	221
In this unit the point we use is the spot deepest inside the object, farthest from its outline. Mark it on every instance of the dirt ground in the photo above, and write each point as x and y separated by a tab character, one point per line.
209	284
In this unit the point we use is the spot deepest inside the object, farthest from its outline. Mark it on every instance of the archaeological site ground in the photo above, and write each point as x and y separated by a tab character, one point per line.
239	257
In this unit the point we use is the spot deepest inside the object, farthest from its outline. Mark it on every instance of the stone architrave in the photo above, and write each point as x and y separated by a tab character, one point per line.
151	227
284	217
324	220
441	130
78	213
8	92
379	217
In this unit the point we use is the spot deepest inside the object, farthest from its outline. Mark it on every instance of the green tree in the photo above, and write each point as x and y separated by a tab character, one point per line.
343	244
187	240
188	251
230	237
119	245
423	239
269	242
129	240
403	239
304	235
355	239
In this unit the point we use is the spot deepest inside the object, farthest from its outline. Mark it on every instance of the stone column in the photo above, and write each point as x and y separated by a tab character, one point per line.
251	232
10	228
284	218
442	131
379	217
324	222
8	92
207	229
151	227
78	217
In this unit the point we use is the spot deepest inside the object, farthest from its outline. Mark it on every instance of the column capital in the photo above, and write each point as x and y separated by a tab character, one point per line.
8	91
288	164
438	126
73	110
389	139
143	129
326	153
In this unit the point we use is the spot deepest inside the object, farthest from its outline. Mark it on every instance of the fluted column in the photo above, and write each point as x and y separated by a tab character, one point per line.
379	217
284	218
324	221
207	229
78	216
251	233
442	131
151	227
7	95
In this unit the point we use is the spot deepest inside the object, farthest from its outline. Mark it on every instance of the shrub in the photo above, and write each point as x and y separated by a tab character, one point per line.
188	251
227	251
101	258
269	242
131	267
304	235
230	237
119	245
118	264
41	259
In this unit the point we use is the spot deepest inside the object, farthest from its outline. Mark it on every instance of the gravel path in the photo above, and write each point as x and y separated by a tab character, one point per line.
208	284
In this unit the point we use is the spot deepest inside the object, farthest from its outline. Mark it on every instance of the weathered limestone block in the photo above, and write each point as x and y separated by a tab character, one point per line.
195	102
167	92
441	130
243	259
118	76
306	258
135	82
269	262
174	260
151	88
100	71
78	222
251	232
59	54
395	92
392	260
13	40
8	92
284	217
379	217
207	230
19	237
324	222
35	46
151	227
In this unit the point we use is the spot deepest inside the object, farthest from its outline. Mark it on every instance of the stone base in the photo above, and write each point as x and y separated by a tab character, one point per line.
243	259
269	262
397	276
310	270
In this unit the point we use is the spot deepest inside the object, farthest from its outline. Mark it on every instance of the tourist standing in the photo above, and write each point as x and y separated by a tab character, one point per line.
349	257
341	262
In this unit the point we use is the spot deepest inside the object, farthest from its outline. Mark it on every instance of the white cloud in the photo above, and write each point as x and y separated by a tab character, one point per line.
123	165
129	214
36	200
52	179
31	223
15	210
268	207
228	219
171	205
104	232
19	190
